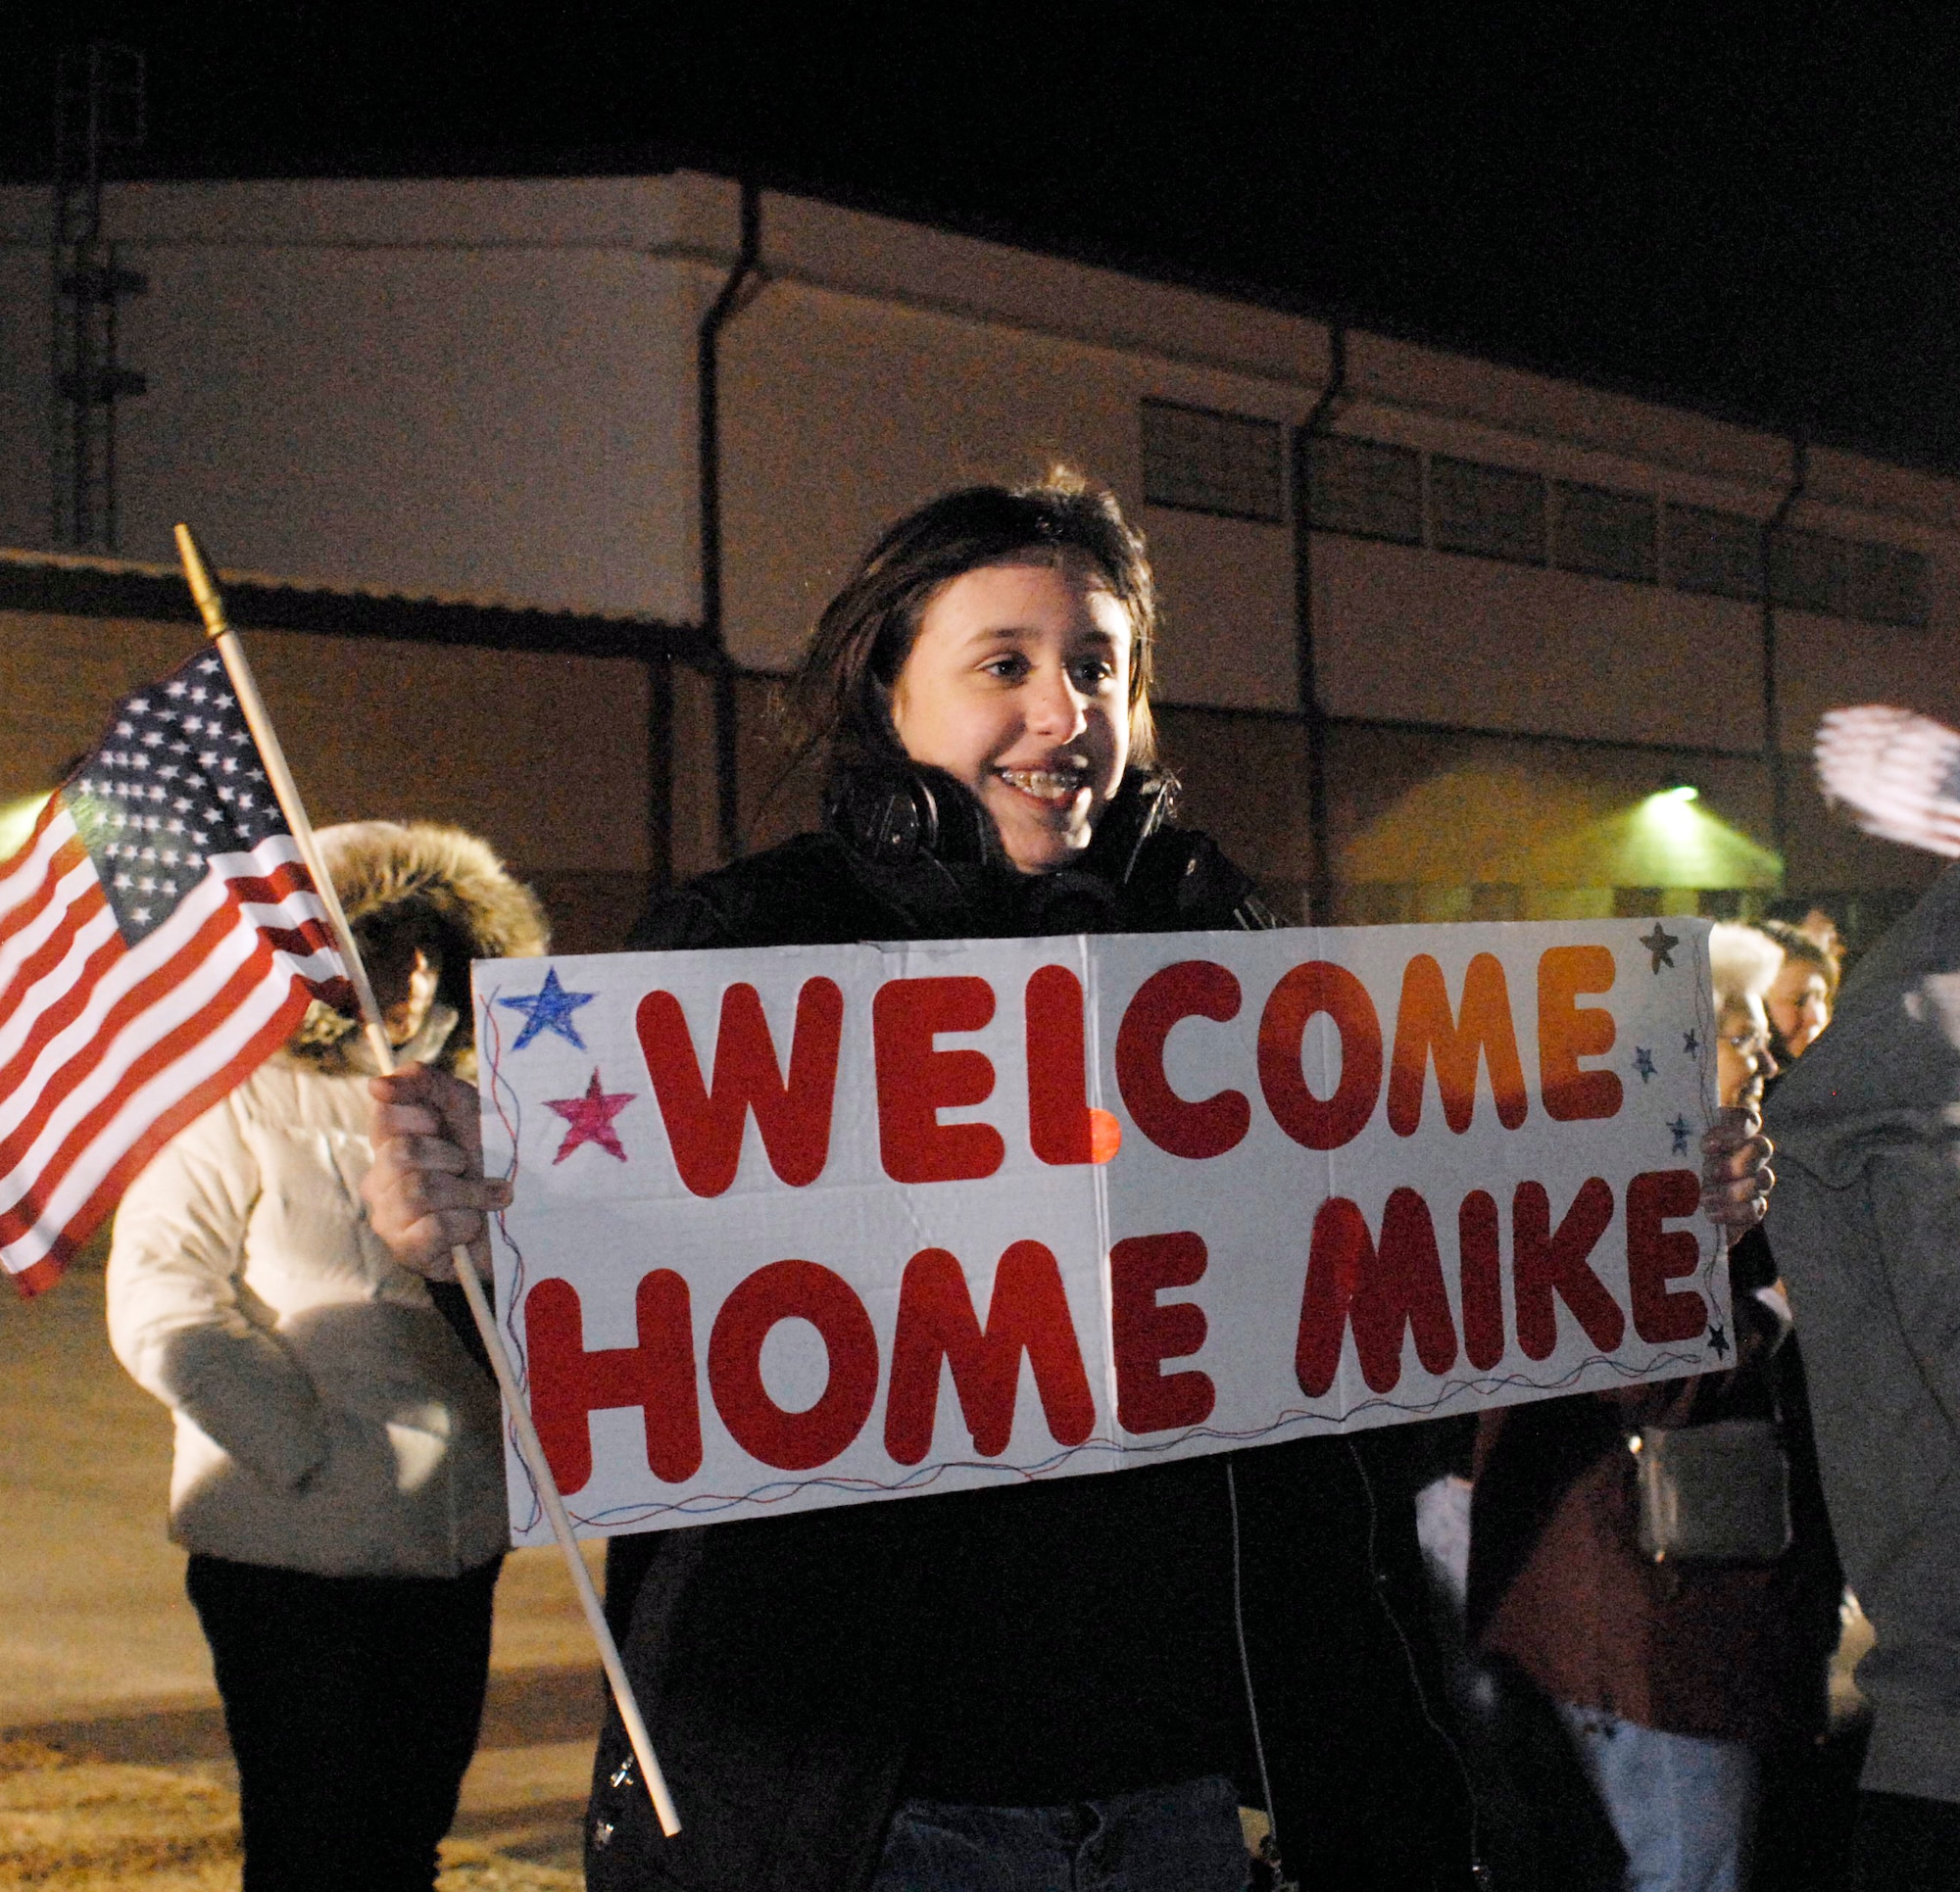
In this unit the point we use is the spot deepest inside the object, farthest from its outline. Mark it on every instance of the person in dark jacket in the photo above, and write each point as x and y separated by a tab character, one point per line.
1870	1244
1075	1682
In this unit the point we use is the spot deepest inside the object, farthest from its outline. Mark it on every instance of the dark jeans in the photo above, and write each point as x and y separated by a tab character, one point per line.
352	1705
1184	1839
1903	1844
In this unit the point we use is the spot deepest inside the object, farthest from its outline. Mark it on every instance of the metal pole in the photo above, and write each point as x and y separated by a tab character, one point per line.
707	374
1772	528
1320	870
659	769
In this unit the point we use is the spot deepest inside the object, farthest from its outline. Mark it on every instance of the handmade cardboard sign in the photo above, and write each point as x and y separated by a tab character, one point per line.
816	1226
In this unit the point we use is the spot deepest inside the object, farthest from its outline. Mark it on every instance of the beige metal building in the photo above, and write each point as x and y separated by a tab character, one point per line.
1447	639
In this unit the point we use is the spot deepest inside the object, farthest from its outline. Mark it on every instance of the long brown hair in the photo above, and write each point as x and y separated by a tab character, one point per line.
839	698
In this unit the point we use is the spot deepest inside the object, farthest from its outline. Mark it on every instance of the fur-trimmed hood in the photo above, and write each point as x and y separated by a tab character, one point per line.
419	873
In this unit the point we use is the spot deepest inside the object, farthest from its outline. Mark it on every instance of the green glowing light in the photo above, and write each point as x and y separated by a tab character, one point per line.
1687	791
17	823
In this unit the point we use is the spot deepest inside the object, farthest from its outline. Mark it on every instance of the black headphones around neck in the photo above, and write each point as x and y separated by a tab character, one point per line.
900	810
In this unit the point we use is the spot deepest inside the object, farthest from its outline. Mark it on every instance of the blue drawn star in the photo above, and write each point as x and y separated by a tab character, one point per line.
1679	1130
1719	1341
1644	1062
549	1010
1691	1043
1661	944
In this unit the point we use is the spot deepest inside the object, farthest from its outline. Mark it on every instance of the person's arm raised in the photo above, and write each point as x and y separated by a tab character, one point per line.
427	1190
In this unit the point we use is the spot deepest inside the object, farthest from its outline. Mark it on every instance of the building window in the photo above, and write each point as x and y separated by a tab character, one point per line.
1491	512
1808	572
1607	534
1886	585
1371	490
1716	553
1365	488
1876	584
1202	461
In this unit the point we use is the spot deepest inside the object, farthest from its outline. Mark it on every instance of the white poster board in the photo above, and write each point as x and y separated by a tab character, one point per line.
815	1226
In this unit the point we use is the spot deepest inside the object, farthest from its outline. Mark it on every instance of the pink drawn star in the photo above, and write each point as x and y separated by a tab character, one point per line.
591	1119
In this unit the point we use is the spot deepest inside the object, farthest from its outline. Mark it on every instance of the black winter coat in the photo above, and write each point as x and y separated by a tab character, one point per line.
801	1675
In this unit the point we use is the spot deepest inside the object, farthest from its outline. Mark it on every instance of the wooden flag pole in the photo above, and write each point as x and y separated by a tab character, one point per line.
529	1447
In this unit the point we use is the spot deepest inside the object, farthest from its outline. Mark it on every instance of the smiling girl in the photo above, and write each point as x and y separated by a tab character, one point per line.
1071	1682
1018	686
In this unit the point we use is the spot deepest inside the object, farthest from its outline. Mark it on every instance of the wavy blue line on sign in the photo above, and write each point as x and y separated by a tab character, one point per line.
512	1117
775	1491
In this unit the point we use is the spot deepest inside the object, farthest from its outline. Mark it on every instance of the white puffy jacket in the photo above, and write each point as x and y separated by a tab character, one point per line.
328	1419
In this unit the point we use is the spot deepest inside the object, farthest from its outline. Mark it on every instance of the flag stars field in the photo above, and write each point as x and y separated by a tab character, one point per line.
221	767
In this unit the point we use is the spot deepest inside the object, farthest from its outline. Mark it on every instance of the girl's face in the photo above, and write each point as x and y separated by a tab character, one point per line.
1744	1063
1019	685
1798	1006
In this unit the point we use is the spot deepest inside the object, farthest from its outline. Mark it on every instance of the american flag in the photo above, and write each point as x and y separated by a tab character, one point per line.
1898	773
159	936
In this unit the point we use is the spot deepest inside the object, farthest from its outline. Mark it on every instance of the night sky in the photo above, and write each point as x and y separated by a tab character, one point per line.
1752	210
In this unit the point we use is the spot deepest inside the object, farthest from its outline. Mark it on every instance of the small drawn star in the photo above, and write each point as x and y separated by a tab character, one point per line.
549	1009
591	1119
1719	1341
1644	1062
1661	944
1691	1043
1679	1130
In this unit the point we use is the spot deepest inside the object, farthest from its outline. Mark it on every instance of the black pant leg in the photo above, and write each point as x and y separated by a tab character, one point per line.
285	1658
430	1650
1904	1844
353	1706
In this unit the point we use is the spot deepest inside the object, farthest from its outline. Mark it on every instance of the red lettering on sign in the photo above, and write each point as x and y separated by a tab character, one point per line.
1568	1031
1061	1126
1544	1263
568	1383
1481	1279
915	1082
1191	989
1657	1255
793	1290
1482	1032
705	1121
1320	1123
1028	1314
1386	1291
1144	1334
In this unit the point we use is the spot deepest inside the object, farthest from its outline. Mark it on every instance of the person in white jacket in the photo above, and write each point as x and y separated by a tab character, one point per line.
338	1472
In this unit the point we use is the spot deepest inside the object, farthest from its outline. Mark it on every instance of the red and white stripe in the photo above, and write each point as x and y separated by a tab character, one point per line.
1895	771
106	1051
